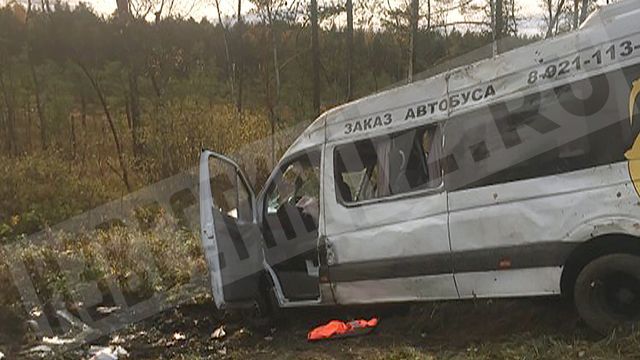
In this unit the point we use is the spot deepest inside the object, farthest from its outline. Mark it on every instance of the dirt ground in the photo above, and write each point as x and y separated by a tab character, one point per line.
444	330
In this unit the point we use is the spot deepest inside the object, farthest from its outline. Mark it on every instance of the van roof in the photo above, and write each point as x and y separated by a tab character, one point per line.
468	87
610	12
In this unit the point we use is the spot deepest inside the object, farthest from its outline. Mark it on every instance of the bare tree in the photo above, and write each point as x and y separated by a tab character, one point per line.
128	11
499	20
37	88
349	62
414	17
123	8
225	38
576	13
125	14
580	11
269	10
8	95
239	66
584	12
123	173
554	9
315	56
499	16
142	9
44	142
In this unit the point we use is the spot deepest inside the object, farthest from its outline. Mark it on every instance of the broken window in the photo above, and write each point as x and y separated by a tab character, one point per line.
292	203
291	215
544	137
298	185
230	194
401	163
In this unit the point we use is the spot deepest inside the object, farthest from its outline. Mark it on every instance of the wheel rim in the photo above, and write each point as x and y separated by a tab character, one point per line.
619	295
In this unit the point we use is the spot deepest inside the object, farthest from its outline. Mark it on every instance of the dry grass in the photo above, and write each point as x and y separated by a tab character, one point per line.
77	271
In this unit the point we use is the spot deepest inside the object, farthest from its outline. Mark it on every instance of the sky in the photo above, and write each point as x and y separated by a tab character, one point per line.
531	10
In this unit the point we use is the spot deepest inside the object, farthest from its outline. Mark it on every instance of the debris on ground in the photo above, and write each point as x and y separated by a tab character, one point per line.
272	331
107	353
218	333
407	331
1	355
242	333
106	310
222	351
337	329
57	341
117	340
71	320
179	336
40	350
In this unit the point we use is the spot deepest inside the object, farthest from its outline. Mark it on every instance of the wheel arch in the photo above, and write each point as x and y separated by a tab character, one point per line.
592	249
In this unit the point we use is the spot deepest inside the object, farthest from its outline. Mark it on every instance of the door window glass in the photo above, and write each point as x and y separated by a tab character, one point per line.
298	184
230	194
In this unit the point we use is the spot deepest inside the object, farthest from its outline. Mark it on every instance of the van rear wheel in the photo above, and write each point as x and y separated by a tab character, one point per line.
607	293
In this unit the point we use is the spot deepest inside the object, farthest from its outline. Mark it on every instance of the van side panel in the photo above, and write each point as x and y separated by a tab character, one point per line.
528	228
533	179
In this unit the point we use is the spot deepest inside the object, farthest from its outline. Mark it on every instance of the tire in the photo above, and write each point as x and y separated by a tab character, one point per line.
607	293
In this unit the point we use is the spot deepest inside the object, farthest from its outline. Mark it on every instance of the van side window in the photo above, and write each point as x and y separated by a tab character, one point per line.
376	168
487	154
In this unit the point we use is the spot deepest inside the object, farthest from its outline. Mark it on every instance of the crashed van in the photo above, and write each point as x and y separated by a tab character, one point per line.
515	176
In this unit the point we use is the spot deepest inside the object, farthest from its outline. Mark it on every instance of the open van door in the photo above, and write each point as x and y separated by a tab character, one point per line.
231	239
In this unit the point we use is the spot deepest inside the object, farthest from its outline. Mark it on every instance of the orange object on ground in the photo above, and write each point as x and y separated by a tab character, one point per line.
337	329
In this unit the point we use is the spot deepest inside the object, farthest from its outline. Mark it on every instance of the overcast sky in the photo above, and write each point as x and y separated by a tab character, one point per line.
531	10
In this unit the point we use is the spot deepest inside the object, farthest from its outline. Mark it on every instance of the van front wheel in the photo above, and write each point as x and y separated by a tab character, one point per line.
607	292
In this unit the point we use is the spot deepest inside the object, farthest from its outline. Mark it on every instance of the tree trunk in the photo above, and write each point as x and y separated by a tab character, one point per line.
274	45
315	57
3	129
114	132
226	49
273	103
271	108
83	121
39	108
428	15
74	149
124	17
239	68
413	41
576	13
29	121
350	80
585	11
10	117
134	107
553	18
123	8
499	22
46	6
